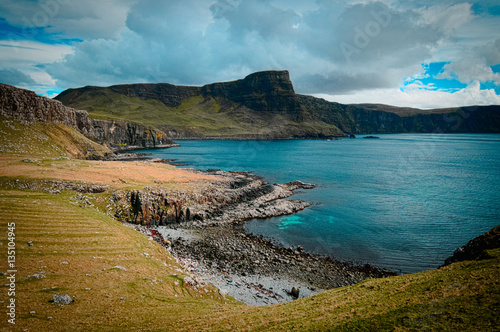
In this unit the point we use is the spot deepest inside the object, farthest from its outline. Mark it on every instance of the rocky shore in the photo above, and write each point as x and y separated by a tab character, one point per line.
205	231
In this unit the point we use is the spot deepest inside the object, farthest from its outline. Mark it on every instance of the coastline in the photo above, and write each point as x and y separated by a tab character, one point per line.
217	250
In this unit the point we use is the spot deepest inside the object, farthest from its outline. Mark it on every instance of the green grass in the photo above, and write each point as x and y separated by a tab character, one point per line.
45	140
196	116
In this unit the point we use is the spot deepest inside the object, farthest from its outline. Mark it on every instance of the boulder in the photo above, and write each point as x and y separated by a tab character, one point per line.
62	298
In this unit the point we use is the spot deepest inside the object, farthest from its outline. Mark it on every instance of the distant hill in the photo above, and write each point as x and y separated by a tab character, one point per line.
265	105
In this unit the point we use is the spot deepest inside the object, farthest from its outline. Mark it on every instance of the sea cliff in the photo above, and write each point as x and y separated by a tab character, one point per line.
264	105
29	108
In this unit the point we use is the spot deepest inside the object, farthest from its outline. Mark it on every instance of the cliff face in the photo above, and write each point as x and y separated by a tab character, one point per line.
265	105
270	91
29	108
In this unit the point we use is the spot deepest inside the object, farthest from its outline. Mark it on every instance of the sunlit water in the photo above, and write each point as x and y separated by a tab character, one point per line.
402	202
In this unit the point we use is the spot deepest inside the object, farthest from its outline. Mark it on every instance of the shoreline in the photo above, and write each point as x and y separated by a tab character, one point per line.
216	249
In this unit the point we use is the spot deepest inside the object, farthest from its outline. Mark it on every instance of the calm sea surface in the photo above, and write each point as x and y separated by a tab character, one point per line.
402	202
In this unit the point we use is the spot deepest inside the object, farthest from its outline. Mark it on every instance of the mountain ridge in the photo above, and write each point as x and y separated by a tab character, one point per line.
265	105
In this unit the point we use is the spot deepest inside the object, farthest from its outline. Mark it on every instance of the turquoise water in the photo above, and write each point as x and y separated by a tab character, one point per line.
402	202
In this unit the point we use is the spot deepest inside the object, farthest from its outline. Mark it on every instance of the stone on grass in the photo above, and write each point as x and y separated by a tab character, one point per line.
118	267
62	298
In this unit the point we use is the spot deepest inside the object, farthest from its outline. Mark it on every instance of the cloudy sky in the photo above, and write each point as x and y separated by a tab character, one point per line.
419	53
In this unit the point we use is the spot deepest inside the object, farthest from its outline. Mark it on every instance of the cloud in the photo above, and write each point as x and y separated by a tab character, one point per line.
334	47
28	53
15	77
421	97
88	19
476	64
329	47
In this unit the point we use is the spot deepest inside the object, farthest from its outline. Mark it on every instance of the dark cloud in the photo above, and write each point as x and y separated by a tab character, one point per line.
15	77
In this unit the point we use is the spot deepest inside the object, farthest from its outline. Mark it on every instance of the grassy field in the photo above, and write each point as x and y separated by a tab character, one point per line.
197	116
123	281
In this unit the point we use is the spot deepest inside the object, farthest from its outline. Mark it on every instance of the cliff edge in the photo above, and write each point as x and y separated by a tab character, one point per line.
29	108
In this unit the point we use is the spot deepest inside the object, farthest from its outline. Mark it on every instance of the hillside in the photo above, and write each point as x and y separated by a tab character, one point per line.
29	109
265	105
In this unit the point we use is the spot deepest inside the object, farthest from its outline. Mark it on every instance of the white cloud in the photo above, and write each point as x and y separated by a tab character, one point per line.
28	57
475	64
421	98
72	19
15	53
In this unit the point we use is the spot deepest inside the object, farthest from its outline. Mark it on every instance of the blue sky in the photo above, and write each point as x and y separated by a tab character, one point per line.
418	53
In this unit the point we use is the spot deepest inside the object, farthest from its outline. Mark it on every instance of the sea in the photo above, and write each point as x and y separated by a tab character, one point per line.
403	202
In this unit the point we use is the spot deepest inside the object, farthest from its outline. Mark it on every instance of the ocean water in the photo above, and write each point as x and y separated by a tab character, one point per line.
402	202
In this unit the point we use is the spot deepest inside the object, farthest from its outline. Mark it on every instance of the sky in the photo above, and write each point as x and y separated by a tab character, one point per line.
418	53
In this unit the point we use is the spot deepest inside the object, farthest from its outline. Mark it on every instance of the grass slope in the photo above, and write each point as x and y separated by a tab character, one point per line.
197	116
46	140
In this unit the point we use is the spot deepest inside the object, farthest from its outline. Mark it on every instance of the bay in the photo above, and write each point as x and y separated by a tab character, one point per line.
403	202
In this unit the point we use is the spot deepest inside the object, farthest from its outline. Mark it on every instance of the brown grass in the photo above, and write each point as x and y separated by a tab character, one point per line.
118	174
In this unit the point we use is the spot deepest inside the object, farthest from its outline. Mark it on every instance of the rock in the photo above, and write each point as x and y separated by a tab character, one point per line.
188	281
62	298
64	263
30	243
223	292
117	267
476	248
32	312
371	137
295	292
352	136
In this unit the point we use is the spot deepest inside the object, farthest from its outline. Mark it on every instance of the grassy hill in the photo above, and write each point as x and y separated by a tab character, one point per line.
198	116
68	243
46	140
265	105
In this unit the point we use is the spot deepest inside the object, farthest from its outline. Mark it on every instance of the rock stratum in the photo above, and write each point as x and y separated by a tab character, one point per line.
265	105
29	108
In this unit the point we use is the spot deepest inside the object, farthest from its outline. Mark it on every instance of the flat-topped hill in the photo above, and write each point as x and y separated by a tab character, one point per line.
265	105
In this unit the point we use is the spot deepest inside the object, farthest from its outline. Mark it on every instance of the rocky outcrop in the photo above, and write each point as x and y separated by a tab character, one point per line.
476	248
241	197
29	108
267	91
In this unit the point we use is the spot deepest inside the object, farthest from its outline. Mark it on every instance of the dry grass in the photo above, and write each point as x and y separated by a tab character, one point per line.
117	174
92	244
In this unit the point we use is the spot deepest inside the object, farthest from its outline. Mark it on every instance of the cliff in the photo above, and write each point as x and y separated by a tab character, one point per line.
29	108
265	105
